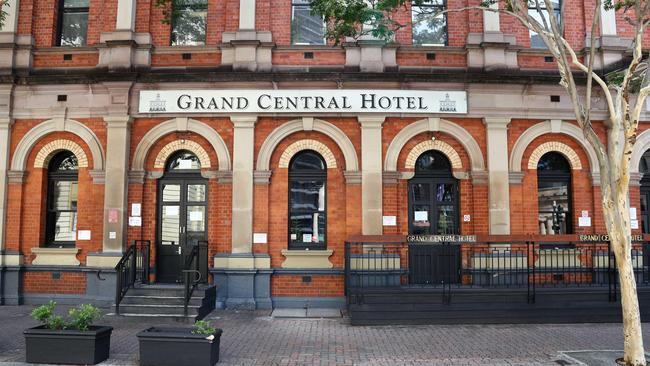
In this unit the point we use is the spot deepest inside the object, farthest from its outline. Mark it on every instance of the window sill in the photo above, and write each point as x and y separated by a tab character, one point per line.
307	258
55	256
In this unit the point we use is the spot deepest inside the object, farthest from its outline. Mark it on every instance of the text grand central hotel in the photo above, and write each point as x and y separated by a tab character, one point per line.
250	136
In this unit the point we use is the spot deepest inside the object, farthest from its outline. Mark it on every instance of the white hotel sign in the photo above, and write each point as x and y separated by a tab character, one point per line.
302	101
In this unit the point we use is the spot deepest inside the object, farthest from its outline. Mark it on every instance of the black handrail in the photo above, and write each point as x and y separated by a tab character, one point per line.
132	268
196	263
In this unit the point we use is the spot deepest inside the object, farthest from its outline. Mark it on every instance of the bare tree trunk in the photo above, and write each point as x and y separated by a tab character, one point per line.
634	353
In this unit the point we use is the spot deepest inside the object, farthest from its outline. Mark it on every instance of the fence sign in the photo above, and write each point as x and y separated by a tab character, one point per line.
441	238
604	237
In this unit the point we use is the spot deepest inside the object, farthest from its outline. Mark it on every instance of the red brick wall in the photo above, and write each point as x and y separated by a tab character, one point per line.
320	286
89	59
73	283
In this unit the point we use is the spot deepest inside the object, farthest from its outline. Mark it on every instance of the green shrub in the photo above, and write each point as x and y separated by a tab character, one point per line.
44	312
56	322
83	316
203	327
80	317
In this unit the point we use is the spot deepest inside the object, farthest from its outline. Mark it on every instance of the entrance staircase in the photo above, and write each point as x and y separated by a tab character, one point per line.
164	301
136	296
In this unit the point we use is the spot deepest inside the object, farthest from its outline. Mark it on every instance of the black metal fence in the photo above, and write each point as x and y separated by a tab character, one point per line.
526	265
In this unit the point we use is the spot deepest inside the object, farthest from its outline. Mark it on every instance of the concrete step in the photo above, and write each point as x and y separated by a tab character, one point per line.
164	291
189	319
160	300
158	309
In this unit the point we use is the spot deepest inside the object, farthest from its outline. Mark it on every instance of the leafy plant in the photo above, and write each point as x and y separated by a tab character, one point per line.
82	316
56	322
44	312
204	327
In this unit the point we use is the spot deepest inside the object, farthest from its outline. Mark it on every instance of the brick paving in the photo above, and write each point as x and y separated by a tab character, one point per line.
254	338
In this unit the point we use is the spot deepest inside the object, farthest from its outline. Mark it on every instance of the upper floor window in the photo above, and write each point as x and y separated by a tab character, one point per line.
429	29
535	40
554	194
189	22
73	22
307	202
61	216
306	28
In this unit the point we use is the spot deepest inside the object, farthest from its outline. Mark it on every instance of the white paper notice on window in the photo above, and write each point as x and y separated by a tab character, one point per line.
171	211
196	215
185	164
584	221
83	235
634	224
135	221
136	209
260	238
294	236
632	213
390	220
306	238
421	216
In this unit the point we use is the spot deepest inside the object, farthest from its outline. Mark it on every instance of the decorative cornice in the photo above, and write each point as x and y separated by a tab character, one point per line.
209	174
224	176
352	177
16	176
99	176
136	176
391	177
515	177
262	177
479	177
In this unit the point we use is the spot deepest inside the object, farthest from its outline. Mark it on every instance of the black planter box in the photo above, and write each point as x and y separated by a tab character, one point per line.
160	346
74	347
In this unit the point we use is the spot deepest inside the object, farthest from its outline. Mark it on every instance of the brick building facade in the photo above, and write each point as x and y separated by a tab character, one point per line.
71	111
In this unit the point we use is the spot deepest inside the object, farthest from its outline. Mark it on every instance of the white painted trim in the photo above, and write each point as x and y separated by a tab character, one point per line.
180	124
11	21
47	152
19	160
470	145
176	145
535	131
556	146
307	144
437	145
281	132
640	147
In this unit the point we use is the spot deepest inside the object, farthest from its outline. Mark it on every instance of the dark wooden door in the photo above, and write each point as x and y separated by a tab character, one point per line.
182	222
433	206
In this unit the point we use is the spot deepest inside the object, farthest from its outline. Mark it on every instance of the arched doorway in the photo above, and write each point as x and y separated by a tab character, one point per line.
644	168
182	214
554	194
433	196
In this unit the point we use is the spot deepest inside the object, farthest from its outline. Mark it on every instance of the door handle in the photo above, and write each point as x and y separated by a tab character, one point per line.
179	249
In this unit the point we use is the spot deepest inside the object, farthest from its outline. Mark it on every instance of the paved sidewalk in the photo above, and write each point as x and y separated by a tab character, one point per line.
255	338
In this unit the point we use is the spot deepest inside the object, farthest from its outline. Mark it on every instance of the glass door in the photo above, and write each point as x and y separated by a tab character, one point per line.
182	217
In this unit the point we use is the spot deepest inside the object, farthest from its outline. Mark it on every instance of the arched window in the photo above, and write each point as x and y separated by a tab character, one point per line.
307	201
554	194
61	215
182	160
644	168
433	196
